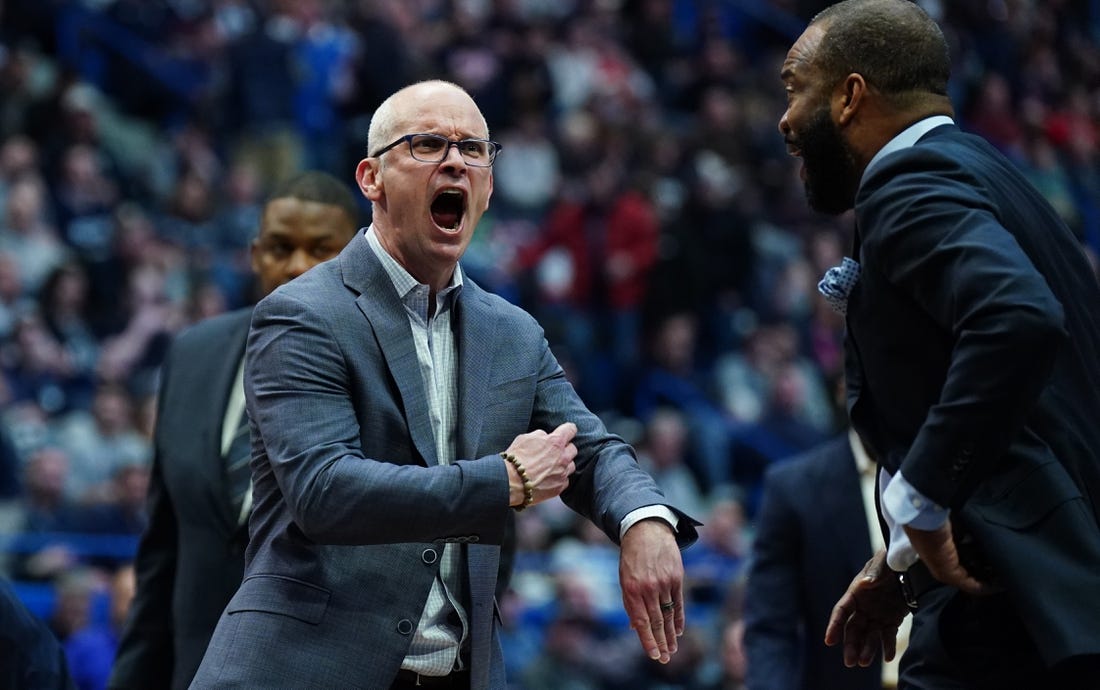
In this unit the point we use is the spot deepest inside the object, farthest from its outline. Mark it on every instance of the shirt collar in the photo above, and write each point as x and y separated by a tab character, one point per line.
906	138
402	280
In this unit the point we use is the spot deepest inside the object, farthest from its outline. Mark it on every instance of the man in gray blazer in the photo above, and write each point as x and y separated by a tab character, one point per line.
191	556
398	413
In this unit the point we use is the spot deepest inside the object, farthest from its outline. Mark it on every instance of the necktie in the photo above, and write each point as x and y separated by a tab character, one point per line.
838	283
238	474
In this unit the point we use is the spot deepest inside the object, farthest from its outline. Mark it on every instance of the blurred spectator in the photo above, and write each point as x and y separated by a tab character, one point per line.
684	671
580	650
151	319
663	453
714	564
91	648
587	555
671	377
526	180
20	84
748	381
84	195
135	247
63	302
188	220
122	510
323	58
991	115
595	253
36	367
75	590
14	302
259	96
18	159
384	60
235	225
26	235
101	443
44	509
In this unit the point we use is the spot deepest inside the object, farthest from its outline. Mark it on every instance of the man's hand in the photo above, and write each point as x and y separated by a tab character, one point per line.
651	574
868	615
547	460
937	550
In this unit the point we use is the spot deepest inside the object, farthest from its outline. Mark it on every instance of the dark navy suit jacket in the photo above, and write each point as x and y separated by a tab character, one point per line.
974	367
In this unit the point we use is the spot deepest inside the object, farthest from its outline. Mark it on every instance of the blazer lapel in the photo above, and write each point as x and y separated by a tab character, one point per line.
378	300
475	336
223	375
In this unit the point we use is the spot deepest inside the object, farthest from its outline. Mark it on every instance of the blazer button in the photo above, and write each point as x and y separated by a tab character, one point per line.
404	626
429	556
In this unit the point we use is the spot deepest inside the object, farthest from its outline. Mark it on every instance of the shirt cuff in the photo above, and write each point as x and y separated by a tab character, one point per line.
654	511
909	507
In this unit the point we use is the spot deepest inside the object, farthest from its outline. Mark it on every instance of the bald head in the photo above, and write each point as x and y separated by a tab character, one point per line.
403	104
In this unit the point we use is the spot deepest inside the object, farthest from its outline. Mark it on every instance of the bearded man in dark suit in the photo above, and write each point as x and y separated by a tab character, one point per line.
973	327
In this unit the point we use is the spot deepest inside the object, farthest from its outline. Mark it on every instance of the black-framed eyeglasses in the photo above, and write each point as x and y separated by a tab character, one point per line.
433	148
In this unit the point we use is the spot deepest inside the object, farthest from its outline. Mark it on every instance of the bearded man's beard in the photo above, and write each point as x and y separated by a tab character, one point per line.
831	175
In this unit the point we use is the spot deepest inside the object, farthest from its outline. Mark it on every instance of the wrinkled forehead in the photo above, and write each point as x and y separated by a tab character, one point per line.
800	61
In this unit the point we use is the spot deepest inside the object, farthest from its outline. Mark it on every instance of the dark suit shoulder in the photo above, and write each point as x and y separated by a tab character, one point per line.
945	163
220	326
810	465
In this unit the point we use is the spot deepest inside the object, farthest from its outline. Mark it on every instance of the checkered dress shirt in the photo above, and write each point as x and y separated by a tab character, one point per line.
435	646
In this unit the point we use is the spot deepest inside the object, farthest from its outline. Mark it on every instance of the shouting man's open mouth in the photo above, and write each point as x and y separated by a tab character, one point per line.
448	207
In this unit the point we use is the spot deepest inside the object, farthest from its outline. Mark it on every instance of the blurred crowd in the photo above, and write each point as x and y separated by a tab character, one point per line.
645	211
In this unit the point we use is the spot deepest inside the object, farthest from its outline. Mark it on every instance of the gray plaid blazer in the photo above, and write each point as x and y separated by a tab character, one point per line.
351	506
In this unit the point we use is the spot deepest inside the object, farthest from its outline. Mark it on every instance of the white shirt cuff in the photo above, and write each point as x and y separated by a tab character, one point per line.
639	514
909	507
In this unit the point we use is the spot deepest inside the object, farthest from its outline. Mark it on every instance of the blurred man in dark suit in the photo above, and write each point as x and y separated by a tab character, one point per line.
816	528
191	556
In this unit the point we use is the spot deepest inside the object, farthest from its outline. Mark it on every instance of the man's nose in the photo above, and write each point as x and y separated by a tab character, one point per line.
454	155
300	262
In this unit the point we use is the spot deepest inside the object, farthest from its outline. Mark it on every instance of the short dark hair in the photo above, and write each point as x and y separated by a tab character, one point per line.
322	188
893	44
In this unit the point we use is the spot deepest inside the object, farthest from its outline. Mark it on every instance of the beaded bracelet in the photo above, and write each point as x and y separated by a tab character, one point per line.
528	488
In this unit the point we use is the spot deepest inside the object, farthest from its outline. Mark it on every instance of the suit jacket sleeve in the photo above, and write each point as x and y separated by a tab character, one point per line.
930	227
608	483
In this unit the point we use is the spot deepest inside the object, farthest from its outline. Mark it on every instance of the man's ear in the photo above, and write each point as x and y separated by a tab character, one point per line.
848	98
490	194
368	177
